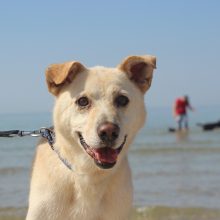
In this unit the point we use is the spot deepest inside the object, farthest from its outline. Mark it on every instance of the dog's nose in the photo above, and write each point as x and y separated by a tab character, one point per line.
108	132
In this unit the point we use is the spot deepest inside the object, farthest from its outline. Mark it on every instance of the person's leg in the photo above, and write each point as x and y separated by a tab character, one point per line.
179	122
185	118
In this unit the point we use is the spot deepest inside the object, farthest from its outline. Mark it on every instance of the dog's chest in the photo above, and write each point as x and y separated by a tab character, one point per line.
86	204
94	202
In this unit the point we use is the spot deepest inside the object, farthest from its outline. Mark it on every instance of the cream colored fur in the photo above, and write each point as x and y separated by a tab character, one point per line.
89	192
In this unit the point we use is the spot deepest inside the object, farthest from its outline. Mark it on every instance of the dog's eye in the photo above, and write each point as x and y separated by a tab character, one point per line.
121	101
82	102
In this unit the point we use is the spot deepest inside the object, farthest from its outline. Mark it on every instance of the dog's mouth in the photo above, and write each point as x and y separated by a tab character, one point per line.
104	157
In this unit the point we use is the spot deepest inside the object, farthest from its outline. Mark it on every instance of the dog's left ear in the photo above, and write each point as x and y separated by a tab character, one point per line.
59	75
139	70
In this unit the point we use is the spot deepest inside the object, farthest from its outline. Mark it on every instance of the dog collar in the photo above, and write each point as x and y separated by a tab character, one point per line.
49	134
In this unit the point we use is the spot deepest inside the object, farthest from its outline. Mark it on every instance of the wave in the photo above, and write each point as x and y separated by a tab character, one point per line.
143	149
175	213
138	213
12	213
12	170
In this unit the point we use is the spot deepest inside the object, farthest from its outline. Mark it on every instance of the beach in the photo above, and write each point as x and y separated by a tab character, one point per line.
176	176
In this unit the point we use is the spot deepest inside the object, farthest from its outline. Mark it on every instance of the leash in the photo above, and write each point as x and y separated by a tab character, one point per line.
44	132
14	133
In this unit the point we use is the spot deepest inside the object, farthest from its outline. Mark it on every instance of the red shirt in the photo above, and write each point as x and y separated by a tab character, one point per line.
180	106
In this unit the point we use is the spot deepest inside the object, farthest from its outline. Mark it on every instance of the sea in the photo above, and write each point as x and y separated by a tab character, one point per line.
176	176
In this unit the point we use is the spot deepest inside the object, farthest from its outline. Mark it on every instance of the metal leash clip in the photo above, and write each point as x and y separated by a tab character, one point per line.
35	133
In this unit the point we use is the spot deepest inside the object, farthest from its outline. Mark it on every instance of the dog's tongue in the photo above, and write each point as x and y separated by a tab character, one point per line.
106	155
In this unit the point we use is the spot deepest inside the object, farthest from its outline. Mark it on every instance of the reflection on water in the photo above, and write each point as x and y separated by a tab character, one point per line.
182	136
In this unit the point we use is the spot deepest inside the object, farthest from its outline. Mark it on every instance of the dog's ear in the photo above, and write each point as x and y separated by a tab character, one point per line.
139	70
58	75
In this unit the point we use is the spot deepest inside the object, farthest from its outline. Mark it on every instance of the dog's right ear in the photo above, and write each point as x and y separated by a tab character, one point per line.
58	75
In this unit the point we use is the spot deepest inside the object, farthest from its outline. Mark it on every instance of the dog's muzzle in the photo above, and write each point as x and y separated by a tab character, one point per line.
104	157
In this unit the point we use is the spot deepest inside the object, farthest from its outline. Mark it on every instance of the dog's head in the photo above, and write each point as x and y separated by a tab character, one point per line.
99	110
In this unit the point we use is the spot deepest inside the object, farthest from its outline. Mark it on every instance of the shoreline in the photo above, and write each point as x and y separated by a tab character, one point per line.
138	213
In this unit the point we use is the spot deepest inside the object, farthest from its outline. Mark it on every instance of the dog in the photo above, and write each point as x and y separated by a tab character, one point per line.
209	126
97	113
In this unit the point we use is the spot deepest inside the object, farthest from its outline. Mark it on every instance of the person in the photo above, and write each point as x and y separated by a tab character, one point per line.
181	105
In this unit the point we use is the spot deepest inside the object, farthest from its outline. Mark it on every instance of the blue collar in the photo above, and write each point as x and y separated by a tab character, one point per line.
49	134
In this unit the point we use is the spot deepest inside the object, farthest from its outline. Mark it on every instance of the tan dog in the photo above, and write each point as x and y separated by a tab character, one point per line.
97	114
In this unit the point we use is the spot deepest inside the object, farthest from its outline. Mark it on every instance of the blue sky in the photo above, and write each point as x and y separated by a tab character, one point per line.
184	35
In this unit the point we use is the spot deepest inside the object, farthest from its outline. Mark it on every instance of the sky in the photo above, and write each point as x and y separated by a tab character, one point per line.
184	35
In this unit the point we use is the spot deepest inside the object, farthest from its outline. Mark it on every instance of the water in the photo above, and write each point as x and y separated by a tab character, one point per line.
176	176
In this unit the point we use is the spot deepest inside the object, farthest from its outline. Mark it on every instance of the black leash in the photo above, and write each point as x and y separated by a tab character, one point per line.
11	133
44	132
